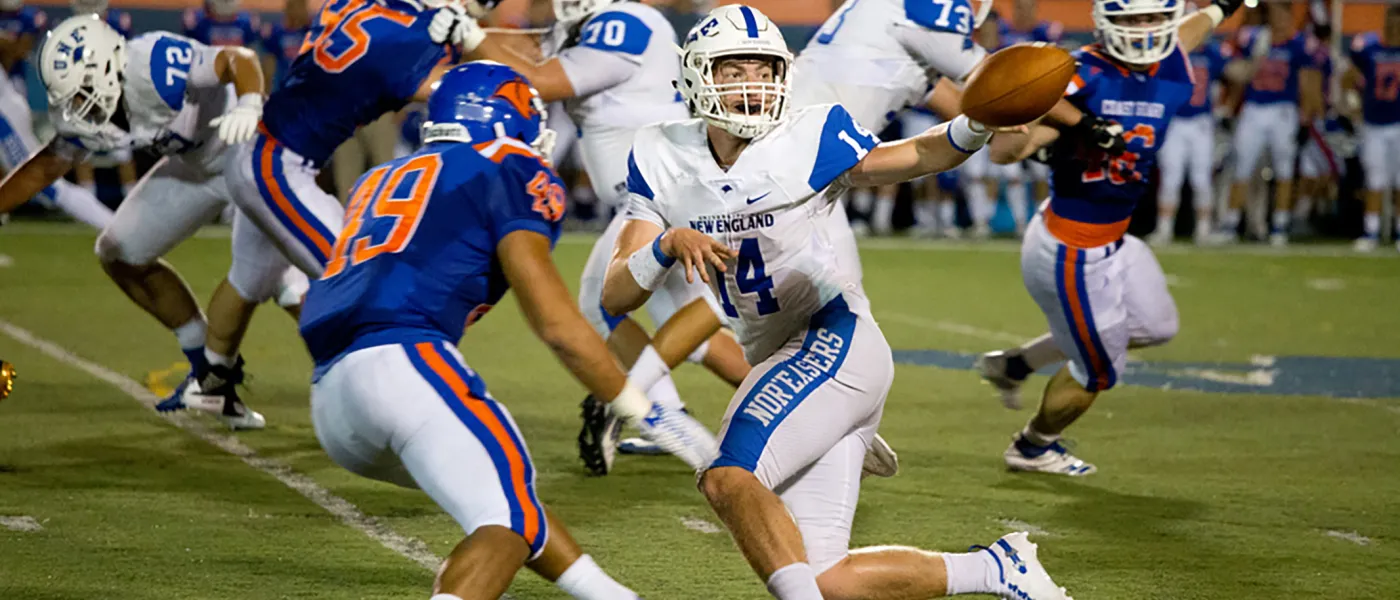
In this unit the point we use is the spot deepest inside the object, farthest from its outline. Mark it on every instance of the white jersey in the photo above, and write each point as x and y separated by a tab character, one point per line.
773	208
621	64
876	57
170	92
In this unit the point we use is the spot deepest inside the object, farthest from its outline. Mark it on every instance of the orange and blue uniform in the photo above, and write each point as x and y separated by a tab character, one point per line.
236	30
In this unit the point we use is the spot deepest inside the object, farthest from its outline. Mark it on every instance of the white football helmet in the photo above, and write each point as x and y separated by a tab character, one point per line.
732	31
223	8
84	7
568	12
1137	44
81	64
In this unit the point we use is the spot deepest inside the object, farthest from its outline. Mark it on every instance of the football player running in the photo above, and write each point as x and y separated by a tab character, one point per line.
478	209
1101	290
181	99
611	63
742	197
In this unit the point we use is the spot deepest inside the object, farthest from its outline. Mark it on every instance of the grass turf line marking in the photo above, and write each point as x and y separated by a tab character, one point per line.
1019	525
410	548
1350	536
700	525
23	523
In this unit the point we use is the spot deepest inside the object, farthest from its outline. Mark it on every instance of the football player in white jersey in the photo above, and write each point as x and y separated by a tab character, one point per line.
188	102
612	64
742	197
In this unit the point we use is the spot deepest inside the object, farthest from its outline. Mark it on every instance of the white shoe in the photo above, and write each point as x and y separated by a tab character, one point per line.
680	434
1022	575
1278	240
860	229
239	417
1054	458
992	367
880	460
952	233
1364	244
981	232
1161	237
231	410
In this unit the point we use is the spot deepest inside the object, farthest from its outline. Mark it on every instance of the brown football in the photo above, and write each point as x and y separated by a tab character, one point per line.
1017	85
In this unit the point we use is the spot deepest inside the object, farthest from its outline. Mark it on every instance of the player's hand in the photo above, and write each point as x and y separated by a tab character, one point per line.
240	124
1228	6
452	25
694	250
1103	135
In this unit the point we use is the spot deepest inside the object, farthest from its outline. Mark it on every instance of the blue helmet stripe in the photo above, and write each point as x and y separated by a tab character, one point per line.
750	23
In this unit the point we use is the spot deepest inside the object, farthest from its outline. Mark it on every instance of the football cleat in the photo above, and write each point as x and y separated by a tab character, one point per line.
1364	244
880	460
678	433
215	392
1278	240
597	440
992	367
1055	458
1162	236
640	447
1021	576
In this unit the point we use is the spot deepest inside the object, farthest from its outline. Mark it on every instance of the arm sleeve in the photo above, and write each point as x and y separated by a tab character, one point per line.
1082	84
528	196
843	144
591	70
942	53
641	199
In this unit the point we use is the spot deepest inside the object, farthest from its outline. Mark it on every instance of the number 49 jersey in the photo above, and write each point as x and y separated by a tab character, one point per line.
417	258
1092	196
773	207
360	60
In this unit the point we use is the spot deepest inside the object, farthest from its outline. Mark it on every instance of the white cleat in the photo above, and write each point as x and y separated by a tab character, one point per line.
1022	576
952	233
1278	240
880	460
1162	236
1364	244
981	232
1054	459
992	367
232	411
239	417
680	434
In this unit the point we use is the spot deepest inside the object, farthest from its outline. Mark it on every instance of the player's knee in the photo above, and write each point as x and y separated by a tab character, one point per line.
254	284
721	483
112	250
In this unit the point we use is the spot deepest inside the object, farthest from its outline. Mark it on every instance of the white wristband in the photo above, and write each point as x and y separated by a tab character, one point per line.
253	99
1215	13
967	136
649	265
630	404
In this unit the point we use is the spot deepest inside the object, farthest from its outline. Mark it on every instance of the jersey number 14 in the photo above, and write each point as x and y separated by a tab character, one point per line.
751	277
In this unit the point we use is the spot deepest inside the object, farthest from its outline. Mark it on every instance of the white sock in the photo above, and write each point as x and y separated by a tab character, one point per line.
191	334
1202	225
445	597
1038	438
794	582
586	581
1373	225
1281	220
978	203
1231	220
926	214
1017	197
947	214
81	204
215	358
882	217
1041	352
971	573
648	369
664	392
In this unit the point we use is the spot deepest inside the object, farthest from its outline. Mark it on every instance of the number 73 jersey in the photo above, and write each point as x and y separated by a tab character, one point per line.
773	208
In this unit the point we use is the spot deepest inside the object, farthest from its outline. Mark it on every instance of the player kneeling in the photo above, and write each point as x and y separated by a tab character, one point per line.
431	242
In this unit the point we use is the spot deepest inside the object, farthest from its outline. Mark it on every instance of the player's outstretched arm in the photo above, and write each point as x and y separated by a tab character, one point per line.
37	173
1196	29
548	76
941	148
1014	147
644	255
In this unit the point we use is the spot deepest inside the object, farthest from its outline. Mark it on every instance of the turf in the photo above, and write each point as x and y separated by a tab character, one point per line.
1273	494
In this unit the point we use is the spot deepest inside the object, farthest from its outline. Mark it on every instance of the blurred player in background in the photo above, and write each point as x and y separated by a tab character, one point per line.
281	42
788	474
1319	168
175	97
1101	290
84	173
1283	97
20	26
1026	27
612	65
981	181
1375	68
222	23
1188	149
393	399
935	209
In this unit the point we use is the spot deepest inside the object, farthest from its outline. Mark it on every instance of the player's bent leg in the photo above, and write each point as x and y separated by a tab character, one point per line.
482	566
81	204
277	190
1152	316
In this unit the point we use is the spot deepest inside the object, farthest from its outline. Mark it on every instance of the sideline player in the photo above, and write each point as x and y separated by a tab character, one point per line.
477	210
613	70
175	97
787	478
1026	28
222	23
1189	148
1376	67
281	42
1101	290
1284	95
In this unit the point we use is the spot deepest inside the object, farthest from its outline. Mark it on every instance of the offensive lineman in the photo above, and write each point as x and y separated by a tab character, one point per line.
742	197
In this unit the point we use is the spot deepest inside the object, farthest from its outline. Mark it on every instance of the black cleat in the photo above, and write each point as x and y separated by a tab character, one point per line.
597	440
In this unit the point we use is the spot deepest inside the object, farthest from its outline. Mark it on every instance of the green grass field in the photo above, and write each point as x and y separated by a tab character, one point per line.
1259	460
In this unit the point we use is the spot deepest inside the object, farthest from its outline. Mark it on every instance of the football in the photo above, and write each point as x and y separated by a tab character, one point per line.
1017	85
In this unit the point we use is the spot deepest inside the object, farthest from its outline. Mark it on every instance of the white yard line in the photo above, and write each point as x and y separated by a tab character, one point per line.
991	335
700	525
410	548
1019	525
23	523
1349	536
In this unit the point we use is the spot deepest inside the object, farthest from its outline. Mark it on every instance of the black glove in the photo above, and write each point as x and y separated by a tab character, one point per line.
1228	6
1347	126
1304	132
1101	134
1044	154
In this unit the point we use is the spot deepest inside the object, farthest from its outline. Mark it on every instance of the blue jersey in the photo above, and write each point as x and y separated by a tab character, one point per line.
283	45
15	24
363	59
1379	65
1092	197
120	20
1207	65
1045	31
1276	79
417	258
238	30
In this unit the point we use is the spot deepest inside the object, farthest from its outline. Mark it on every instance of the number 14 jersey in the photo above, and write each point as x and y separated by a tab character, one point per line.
773	207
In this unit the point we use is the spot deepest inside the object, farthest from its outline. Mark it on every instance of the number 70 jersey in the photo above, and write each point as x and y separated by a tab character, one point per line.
773	208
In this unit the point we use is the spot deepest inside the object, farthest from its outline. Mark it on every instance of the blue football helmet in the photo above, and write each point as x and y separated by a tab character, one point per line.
483	100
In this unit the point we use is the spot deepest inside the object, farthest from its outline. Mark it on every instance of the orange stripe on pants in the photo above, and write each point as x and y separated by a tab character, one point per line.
280	198
514	456
1081	324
